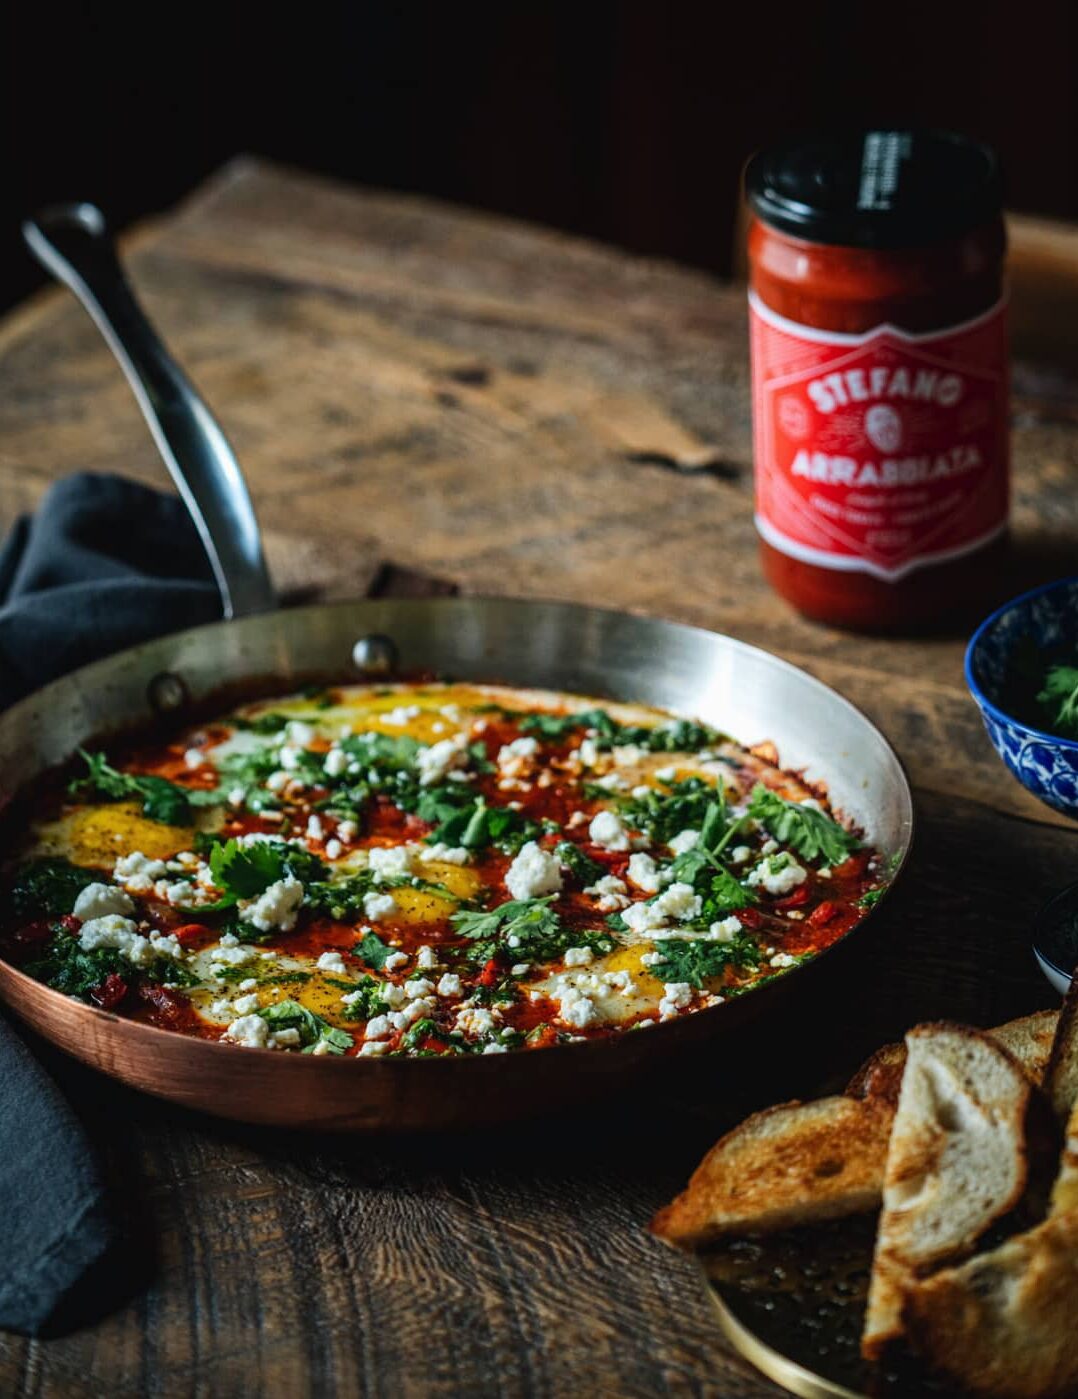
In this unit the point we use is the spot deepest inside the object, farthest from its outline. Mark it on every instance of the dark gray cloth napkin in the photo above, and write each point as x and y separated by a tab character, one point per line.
103	564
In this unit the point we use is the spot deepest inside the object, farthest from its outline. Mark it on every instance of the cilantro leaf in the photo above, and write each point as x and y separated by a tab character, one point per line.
1059	699
673	736
812	834
661	815
268	723
245	871
368	999
313	1030
529	929
373	951
162	800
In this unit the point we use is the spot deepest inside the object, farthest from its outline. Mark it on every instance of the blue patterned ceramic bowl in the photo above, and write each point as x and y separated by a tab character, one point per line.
1045	765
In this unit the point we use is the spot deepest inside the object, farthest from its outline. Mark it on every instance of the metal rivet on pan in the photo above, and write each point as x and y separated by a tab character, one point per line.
167	692
374	655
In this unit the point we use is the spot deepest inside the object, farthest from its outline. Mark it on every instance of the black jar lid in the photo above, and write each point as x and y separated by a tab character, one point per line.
876	188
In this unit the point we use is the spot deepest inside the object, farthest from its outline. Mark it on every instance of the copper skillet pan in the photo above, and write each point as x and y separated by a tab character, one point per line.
735	687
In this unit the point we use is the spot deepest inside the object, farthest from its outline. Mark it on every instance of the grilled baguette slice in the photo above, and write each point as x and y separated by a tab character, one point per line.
788	1165
1003	1323
957	1163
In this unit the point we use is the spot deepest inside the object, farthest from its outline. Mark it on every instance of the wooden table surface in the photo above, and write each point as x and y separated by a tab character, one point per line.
511	411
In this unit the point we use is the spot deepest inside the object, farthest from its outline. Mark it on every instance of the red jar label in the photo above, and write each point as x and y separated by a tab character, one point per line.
881	452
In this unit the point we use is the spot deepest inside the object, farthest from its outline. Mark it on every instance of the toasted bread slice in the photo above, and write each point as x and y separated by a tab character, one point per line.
956	1164
1028	1039
1065	1189
1061	1076
788	1165
1003	1323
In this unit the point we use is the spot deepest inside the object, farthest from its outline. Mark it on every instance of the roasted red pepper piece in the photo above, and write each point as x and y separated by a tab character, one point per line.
110	993
822	914
800	896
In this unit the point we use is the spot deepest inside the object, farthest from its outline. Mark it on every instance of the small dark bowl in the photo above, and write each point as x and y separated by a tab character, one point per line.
1047	617
1055	938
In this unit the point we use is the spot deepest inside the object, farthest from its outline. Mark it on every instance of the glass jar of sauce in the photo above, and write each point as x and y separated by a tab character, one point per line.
880	384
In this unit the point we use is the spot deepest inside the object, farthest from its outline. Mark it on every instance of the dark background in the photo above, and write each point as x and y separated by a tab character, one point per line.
628	122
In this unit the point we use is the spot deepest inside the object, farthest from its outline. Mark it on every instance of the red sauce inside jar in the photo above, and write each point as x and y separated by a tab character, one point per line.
879	376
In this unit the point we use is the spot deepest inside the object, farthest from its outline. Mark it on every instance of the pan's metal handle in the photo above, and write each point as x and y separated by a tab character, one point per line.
72	242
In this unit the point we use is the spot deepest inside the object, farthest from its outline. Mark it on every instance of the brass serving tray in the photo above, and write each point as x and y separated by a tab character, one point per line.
793	1305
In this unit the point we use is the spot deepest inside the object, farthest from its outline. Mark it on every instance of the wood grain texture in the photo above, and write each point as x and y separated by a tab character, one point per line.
506	410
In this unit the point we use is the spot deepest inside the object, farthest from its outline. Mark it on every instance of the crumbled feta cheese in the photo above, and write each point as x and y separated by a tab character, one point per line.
418	986
778	874
298	732
377	906
193	758
612	782
332	962
236	796
231	956
290	757
247	985
739	854
534	873
606	830
285	1039
346	832
315	830
676	996
684	841
391	993
578	956
646	874
98	900
250	1031
221	1008
576	1009
640	792
333	849
336	762
390	862
378	1028
425	959
369	1048
395	960
769	847
612	893
678	902
726	930
519	968
493	1048
440	853
449	985
245	1005
137	873
510	753
783	959
114	931
588	753
475	1020
403	714
276	780
667	774
652	959
276	909
811	803
435	763
628	755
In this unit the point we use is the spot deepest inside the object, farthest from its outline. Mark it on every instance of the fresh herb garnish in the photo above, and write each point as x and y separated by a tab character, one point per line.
48	887
582	867
373	951
699	960
674	736
366	999
528	929
66	966
269	723
477	825
662	815
812	834
161	800
870	898
1059	700
313	1030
